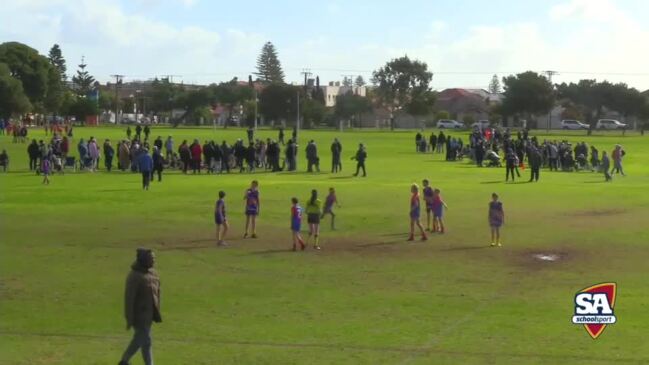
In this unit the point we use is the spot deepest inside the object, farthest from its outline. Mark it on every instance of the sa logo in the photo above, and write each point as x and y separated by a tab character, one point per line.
594	308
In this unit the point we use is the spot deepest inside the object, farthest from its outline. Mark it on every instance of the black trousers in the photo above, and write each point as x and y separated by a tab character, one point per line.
360	165
336	165
535	173
108	162
159	172
146	177
33	163
510	170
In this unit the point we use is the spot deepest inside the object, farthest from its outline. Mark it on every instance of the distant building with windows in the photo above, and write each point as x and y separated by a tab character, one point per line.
334	89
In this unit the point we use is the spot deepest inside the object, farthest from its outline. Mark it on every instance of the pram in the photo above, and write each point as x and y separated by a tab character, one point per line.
582	162
493	158
70	162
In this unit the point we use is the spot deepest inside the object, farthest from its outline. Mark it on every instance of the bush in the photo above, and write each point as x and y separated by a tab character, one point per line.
442	114
468	120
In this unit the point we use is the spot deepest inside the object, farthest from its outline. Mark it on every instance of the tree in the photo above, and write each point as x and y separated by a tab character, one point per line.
55	90
351	106
494	85
12	96
231	94
162	95
29	67
269	68
318	93
400	82
359	82
527	93
278	101
83	107
56	59
312	111
347	81
83	81
421	104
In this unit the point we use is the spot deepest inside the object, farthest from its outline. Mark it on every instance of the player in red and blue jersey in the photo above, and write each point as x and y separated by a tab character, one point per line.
296	224
428	200
415	213
438	210
221	220
252	208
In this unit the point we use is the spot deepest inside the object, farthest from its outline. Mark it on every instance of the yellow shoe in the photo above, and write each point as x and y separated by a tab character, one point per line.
499	245
493	244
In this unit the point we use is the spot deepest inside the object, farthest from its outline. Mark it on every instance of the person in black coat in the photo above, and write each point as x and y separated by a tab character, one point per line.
360	157
34	153
312	157
336	150
226	152
251	154
510	158
147	131
432	142
158	143
280	138
290	152
535	159
109	153
441	142
208	155
158	163
138	131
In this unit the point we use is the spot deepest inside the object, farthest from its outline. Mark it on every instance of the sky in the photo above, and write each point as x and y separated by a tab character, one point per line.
464	42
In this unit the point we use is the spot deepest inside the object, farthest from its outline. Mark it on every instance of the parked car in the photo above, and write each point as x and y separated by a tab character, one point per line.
610	124
449	124
481	124
573	124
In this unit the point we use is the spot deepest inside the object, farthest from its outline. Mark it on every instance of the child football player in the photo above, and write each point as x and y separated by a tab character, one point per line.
328	208
428	200
313	213
438	210
221	220
496	219
296	223
252	208
414	214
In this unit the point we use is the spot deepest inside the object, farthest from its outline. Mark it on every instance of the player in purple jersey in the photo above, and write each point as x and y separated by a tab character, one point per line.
328	207
252	208
296	224
414	214
221	220
496	219
428	200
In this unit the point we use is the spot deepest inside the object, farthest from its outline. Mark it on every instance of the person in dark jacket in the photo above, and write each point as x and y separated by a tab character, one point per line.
441	142
336	150
34	153
196	152
290	152
226	152
360	157
158	143
141	305
147	131
510	158
432	142
312	156
138	131
158	163
208	155
250	157
109	153
145	165
280	138
535	160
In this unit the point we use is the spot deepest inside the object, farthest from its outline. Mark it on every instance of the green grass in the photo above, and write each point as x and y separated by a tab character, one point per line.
367	298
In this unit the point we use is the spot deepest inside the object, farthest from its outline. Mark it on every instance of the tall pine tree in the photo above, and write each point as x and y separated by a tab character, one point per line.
494	85
83	81
269	68
56	59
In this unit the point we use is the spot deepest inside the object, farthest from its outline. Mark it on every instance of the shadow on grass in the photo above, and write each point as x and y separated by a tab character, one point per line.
343	177
596	182
384	243
491	182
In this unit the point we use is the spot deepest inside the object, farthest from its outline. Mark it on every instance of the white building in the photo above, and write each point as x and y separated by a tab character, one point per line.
334	89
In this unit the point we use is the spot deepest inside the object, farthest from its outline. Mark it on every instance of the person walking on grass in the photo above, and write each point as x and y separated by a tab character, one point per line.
221	220
46	169
329	205
428	201
360	157
438	211
496	218
606	165
145	165
253	207
415	212
4	160
128	132
141	305
109	153
158	163
93	153
313	213
336	150
296	224
617	155
169	148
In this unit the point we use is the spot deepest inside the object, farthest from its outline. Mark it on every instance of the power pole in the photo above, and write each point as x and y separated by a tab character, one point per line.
170	78
549	75
118	81
306	72
351	81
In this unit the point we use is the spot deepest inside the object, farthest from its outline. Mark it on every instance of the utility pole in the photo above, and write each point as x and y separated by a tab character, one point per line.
118	81
256	100
298	114
306	72
351	81
170	78
549	75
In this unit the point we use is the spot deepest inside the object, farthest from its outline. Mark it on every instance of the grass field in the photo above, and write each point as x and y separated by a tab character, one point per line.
368	297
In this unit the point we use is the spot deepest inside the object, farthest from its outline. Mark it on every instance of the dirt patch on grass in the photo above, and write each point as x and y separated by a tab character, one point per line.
597	212
552	257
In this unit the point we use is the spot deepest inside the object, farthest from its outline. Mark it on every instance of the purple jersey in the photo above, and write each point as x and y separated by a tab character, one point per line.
252	198
428	196
329	203
220	208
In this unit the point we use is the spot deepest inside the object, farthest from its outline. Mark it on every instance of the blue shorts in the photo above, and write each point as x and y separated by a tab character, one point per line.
296	226
218	219
415	213
438	212
252	210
